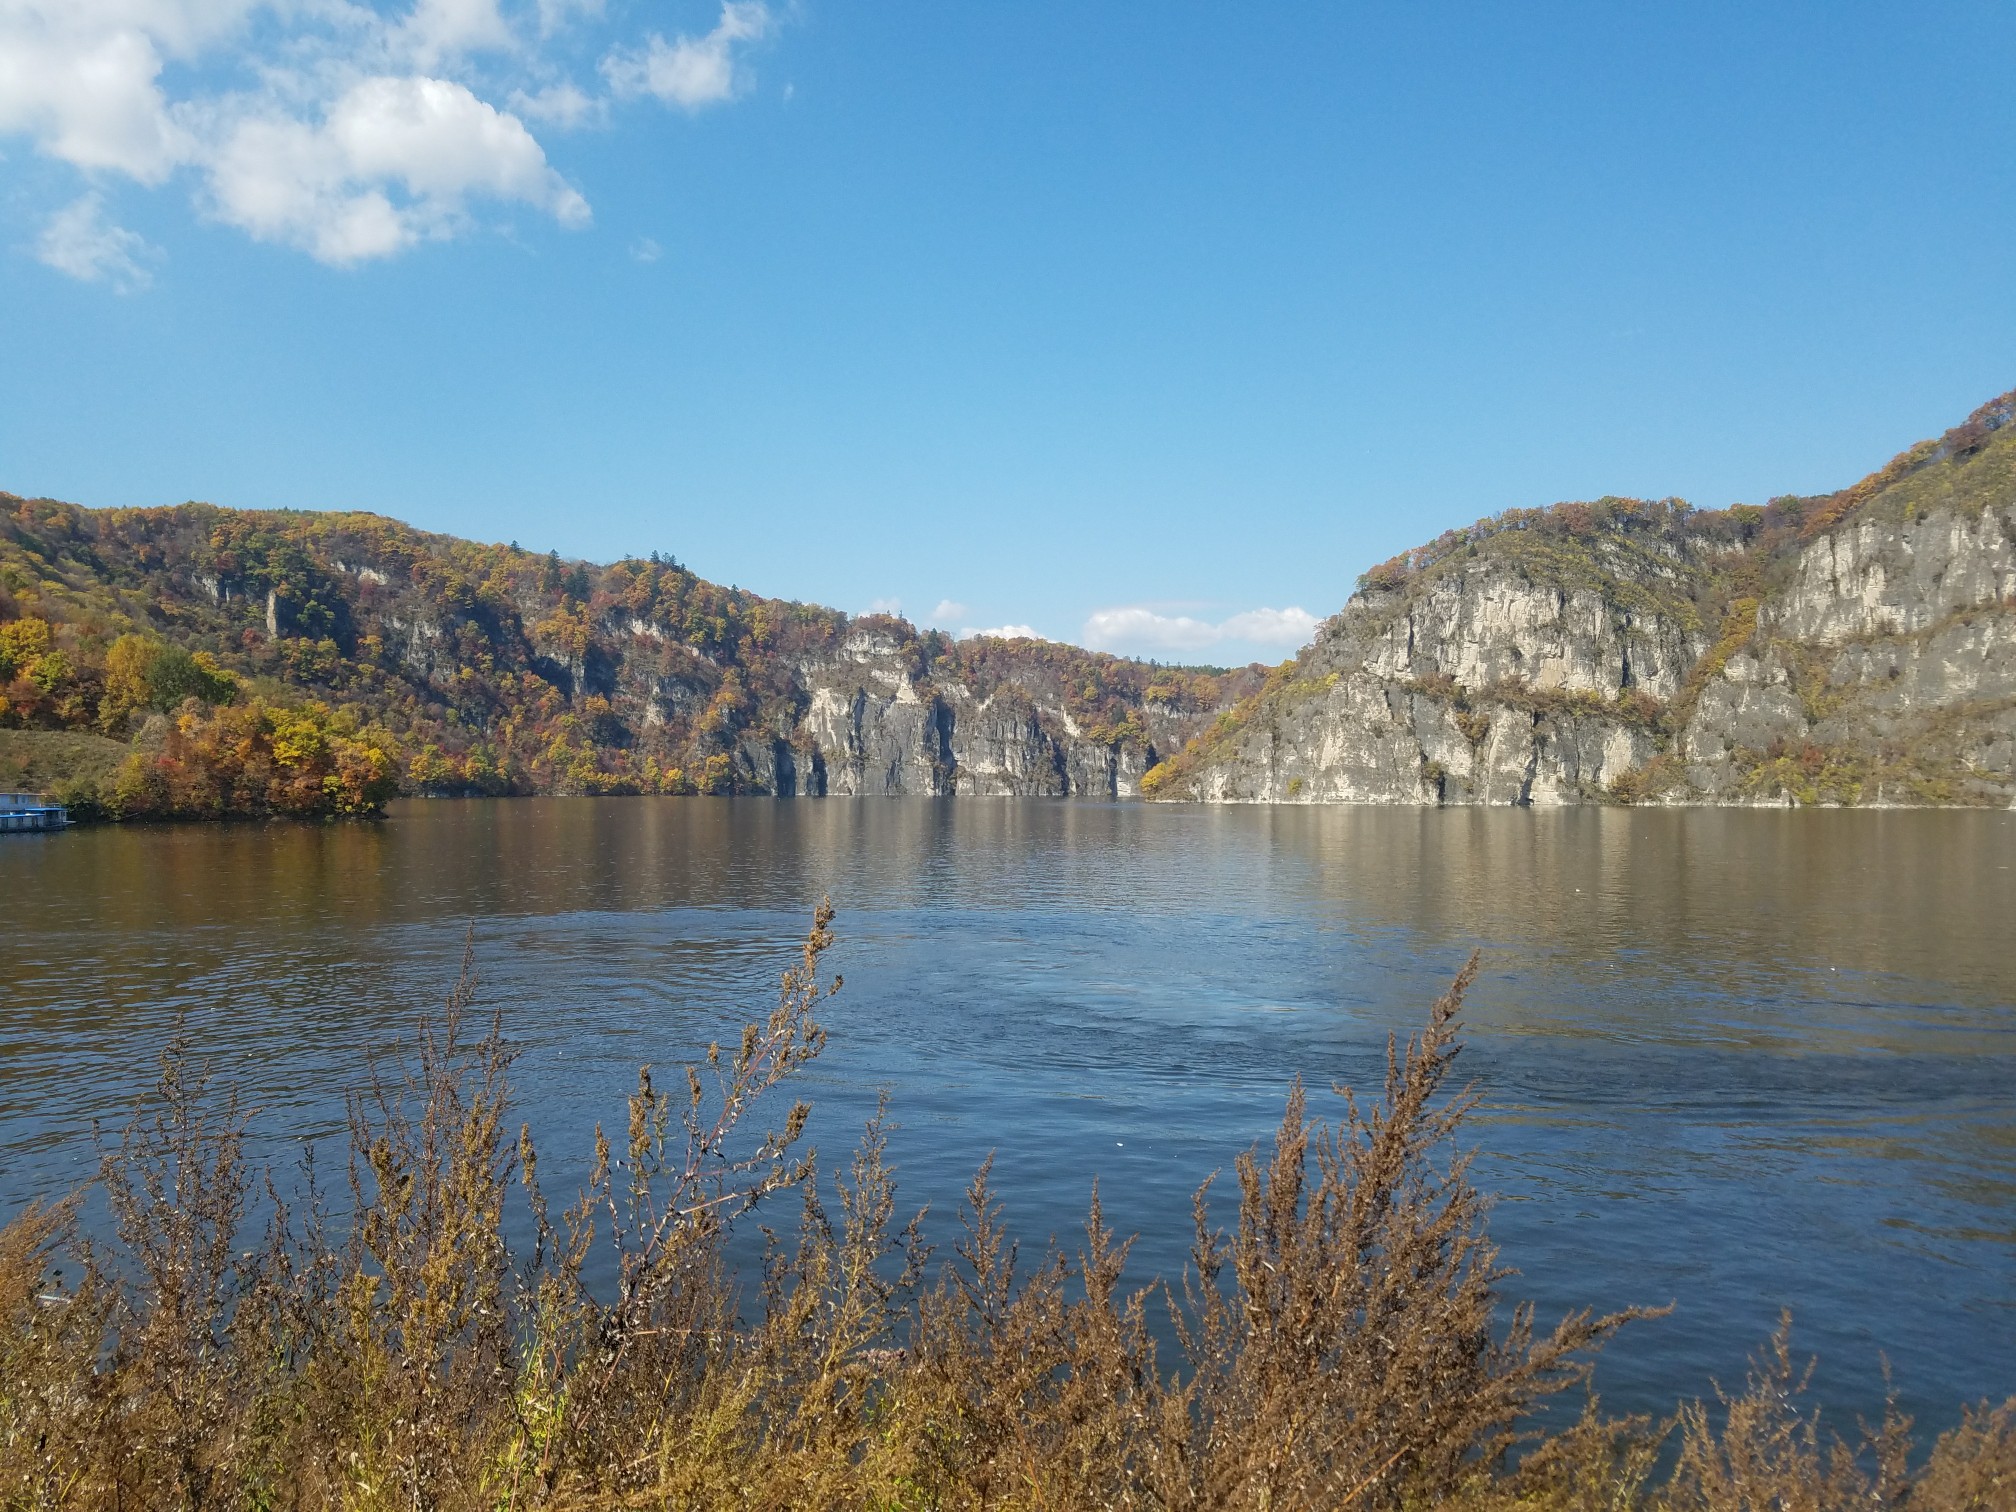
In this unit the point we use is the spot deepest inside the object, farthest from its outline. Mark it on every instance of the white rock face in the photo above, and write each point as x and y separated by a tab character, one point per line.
871	730
1494	627
1882	668
877	742
1873	579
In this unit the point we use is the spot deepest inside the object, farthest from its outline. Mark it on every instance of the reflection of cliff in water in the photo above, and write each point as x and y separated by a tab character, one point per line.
1746	904
1751	905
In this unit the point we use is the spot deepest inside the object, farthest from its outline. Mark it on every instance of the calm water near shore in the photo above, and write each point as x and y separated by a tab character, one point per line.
1736	1060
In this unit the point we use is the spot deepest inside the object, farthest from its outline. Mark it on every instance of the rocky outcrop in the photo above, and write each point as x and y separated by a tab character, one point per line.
871	717
1483	684
871	727
1856	648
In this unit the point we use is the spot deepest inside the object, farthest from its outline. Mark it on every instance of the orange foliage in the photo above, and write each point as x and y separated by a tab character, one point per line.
258	759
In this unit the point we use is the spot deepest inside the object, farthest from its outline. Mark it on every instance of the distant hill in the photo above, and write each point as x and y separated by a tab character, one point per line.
468	668
1856	647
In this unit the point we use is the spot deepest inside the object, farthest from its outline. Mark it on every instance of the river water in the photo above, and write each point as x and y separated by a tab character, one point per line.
1732	1060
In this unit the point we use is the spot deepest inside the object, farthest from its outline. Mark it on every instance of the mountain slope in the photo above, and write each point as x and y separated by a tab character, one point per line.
492	669
1858	647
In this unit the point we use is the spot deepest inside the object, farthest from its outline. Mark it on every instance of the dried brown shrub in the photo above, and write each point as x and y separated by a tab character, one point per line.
1338	1346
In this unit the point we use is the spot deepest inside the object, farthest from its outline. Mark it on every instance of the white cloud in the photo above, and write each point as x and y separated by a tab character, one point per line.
556	15
1108	628
1004	632
327	188
884	606
565	105
88	95
349	128
439	29
645	250
948	612
1271	627
80	241
691	72
1136	628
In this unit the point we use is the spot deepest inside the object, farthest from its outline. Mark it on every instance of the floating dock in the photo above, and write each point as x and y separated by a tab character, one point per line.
31	811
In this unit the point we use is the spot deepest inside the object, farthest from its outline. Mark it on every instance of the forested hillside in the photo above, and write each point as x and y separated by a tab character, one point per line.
265	661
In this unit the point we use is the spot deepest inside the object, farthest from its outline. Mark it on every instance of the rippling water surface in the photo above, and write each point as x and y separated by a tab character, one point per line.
1732	1060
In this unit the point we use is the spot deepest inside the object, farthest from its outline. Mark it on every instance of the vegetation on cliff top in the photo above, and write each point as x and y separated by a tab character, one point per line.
1970	468
1340	1345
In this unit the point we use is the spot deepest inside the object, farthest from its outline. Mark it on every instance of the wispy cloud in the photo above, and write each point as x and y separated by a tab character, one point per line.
884	606
565	105
79	240
1139	628
1004	632
555	15
365	129
1271	627
948	612
436	31
691	72
645	250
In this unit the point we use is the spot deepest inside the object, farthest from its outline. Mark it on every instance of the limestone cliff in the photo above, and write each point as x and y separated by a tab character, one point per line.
871	725
1854	648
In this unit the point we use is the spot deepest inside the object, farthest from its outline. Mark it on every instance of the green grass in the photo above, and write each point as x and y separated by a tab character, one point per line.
48	760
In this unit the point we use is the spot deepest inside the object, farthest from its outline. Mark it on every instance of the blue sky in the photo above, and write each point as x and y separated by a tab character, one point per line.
1149	326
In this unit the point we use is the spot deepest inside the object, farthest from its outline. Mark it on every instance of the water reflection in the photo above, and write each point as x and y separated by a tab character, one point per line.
1736	1059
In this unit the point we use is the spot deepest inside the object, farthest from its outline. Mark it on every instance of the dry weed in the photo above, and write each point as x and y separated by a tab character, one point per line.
1340	1345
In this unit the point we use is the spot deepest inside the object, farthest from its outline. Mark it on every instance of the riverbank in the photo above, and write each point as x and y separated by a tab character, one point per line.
242	760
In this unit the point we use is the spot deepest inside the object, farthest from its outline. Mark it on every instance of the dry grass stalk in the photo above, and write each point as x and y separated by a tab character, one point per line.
1340	1346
